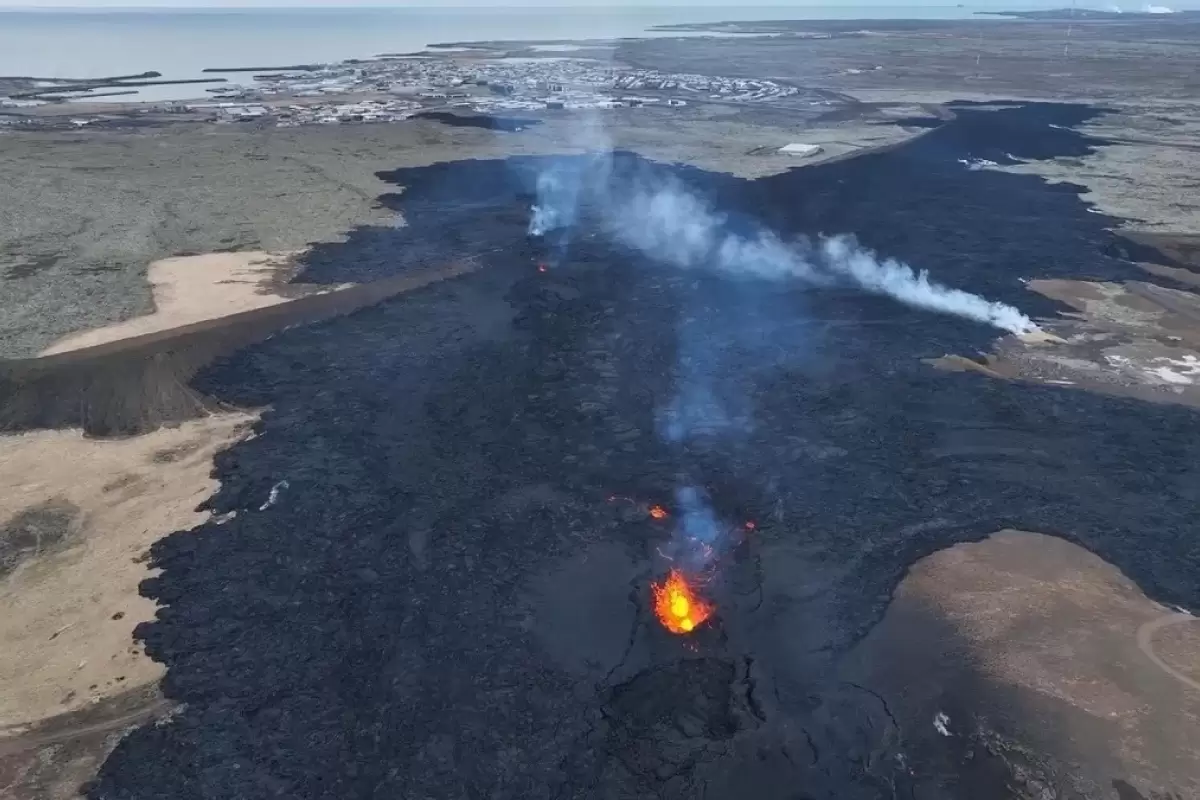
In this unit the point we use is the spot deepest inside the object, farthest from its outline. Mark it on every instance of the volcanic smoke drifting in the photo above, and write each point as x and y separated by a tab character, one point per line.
665	221
669	223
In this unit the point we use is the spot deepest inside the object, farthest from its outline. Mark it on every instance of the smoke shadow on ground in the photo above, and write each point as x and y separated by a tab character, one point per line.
363	636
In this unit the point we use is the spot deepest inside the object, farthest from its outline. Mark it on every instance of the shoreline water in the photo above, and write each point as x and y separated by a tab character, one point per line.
181	43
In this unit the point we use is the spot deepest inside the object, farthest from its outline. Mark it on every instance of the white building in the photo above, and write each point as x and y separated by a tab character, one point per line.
245	112
800	150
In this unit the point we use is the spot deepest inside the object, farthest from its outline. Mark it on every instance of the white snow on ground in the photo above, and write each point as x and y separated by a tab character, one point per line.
1179	371
1182	371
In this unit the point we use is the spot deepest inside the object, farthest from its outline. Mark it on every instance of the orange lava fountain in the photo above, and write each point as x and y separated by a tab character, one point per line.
677	605
658	512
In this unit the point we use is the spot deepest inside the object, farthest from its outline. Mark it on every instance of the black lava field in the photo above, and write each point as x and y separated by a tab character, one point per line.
371	634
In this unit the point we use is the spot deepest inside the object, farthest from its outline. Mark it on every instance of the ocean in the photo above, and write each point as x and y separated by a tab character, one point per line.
180	43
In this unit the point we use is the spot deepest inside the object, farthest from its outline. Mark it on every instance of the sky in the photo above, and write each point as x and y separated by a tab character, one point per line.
392	3
974	4
32	4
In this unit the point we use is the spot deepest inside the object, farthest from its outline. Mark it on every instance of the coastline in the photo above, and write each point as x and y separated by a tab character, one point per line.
331	36
371	486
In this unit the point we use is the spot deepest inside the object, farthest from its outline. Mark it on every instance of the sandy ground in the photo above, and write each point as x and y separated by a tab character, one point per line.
87	213
77	517
192	289
1047	627
80	512
1026	637
1136	339
89	509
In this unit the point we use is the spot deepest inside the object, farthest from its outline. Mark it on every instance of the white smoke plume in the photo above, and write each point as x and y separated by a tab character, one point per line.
560	189
842	255
558	201
666	221
674	225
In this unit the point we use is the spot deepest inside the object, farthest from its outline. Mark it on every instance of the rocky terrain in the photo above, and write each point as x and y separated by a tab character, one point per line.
426	569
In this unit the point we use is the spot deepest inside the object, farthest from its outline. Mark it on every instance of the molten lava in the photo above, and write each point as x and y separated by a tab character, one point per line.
677	605
658	512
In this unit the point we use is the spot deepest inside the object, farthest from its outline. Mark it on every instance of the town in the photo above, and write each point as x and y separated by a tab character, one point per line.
392	88
401	86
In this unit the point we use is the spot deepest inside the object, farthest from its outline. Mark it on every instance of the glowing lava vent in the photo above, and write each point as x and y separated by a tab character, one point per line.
677	605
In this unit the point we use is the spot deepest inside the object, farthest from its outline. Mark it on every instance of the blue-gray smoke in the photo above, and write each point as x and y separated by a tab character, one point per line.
669	223
700	536
562	187
558	202
709	400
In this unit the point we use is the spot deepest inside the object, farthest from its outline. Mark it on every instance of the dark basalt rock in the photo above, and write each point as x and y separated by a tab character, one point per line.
404	430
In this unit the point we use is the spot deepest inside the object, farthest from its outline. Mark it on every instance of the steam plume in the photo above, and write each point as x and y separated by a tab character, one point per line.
560	189
673	225
842	255
706	404
699	530
558	199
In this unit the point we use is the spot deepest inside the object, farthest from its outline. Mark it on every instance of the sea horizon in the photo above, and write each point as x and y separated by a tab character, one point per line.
622	8
181	42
